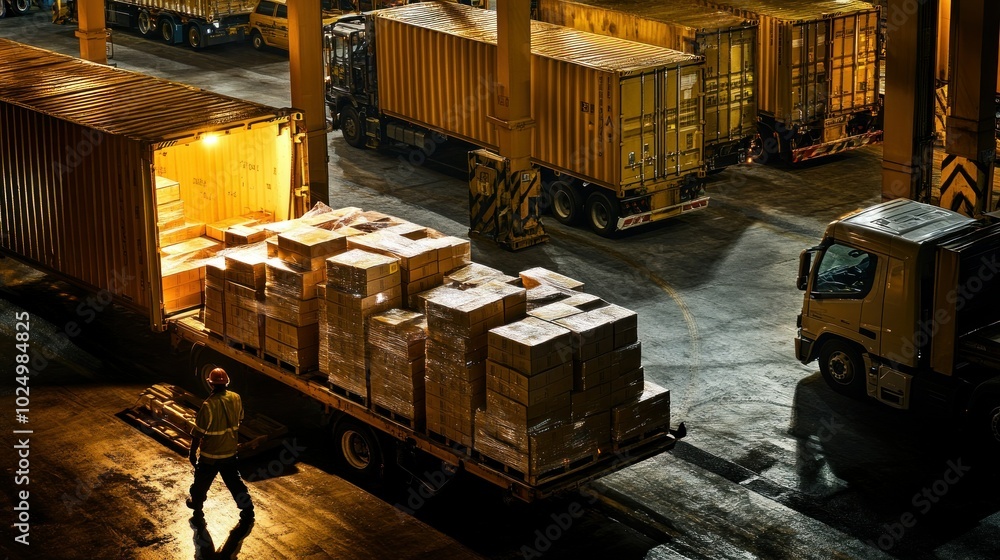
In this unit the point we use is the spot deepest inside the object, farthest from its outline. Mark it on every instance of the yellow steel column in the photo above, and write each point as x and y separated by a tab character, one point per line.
305	58
512	102
908	112
967	171
92	34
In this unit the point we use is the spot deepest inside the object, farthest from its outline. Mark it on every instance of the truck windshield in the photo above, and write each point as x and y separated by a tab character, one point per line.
844	271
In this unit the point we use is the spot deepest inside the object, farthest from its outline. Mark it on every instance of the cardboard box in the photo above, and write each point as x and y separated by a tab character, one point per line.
217	230
362	273
189	230
592	333
312	242
554	311
287	281
243	235
625	323
197	247
530	345
626	359
293	259
411	254
476	274
651	411
528	390
292	335
594	400
584	301
167	190
304	358
514	299
538	276
247	267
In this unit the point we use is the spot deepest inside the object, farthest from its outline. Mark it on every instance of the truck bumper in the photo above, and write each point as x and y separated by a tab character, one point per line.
803	348
836	146
222	35
633	220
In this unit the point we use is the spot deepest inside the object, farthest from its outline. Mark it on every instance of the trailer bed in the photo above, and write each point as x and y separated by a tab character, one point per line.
571	476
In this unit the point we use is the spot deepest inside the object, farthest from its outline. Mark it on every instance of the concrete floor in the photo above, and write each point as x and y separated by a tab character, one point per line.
775	464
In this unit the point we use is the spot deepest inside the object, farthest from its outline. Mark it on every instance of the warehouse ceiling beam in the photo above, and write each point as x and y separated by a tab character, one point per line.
305	50
92	32
970	138
908	108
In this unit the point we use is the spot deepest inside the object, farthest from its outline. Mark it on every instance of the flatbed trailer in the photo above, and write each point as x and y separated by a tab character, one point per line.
190	329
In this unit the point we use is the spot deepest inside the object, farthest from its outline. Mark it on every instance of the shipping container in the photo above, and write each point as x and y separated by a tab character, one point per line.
818	74
199	23
728	43
615	116
84	161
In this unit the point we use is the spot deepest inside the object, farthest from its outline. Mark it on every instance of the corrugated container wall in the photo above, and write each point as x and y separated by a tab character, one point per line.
80	154
728	43
205	9
819	58
616	113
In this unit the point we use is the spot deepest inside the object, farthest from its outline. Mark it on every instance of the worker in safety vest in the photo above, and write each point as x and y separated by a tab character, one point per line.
216	430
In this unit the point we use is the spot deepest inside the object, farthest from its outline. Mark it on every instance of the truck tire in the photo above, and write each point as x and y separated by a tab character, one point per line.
352	126
194	37
602	213
202	360
358	449
842	367
145	23
986	418
21	6
566	204
167	30
3	8
257	40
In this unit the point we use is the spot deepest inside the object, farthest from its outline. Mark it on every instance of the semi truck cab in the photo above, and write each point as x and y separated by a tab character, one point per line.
901	304
347	77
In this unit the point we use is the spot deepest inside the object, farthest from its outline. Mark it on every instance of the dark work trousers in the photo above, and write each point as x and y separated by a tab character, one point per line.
205	473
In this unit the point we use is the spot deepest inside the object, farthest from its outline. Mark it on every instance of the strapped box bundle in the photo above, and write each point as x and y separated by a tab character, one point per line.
397	352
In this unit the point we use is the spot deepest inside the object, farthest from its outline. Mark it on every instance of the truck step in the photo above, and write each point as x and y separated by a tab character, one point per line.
349	395
398	418
288	366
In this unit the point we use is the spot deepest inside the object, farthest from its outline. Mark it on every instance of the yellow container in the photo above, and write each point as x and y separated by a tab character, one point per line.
81	152
619	114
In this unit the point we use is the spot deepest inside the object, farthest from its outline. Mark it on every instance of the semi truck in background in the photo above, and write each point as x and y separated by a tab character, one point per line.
139	209
14	7
618	124
818	75
199	23
727	42
901	305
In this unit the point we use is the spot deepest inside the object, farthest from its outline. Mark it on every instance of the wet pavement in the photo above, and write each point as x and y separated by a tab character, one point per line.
775	465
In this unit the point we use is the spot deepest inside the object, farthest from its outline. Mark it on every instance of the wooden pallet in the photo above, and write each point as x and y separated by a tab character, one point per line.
288	366
535	479
243	347
458	447
349	395
396	417
629	442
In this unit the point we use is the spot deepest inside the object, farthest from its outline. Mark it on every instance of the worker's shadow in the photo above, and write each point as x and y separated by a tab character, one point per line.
204	546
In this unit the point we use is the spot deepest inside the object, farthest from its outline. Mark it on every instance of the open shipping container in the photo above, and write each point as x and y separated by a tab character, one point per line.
615	113
727	41
818	72
82	155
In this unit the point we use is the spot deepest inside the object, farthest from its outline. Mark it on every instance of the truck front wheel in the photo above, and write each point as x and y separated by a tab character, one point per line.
194	37
257	40
352	127
3	8
842	367
358	449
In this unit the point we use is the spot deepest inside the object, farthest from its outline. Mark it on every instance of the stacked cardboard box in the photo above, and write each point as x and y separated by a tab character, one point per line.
647	412
527	422
453	252
418	262
457	326
244	235
217	230
396	341
292	307
245	280
182	285
474	274
215	295
542	276
359	284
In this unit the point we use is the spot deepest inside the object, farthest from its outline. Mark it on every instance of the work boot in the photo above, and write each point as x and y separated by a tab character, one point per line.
247	514
197	513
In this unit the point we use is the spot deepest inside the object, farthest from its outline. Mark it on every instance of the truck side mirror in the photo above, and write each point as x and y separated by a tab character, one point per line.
805	263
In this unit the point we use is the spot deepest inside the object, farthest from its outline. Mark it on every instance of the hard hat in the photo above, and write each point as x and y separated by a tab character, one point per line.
217	376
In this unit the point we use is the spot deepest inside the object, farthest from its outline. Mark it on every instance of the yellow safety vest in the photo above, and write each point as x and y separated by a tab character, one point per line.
218	423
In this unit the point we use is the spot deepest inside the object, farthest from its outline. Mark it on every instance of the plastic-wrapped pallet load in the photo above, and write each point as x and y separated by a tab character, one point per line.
245	280
515	302
648	412
359	284
215	295
527	424
538	276
475	274
452	252
418	262
396	342
457	326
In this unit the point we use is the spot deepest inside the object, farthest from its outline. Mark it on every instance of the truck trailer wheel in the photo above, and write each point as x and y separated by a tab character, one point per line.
144	23
602	213
194	37
842	367
167	31
3	8
21	6
566	204
352	127
358	449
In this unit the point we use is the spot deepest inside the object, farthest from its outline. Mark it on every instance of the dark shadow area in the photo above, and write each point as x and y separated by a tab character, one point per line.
204	546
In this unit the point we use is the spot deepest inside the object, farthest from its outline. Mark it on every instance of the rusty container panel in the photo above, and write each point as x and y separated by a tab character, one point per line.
79	158
817	58
592	96
206	9
727	41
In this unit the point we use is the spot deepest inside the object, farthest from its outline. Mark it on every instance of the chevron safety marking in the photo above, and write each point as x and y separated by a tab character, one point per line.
940	109
965	185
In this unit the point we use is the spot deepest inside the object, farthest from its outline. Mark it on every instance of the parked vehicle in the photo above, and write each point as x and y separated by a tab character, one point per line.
901	305
618	135
15	7
199	23
269	24
120	190
728	42
818	86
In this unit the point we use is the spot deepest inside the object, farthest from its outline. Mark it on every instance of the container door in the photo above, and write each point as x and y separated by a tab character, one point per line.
639	115
808	71
854	62
730	103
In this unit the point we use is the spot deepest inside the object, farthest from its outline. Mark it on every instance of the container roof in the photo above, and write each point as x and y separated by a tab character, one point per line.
795	10
547	40
116	101
678	12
